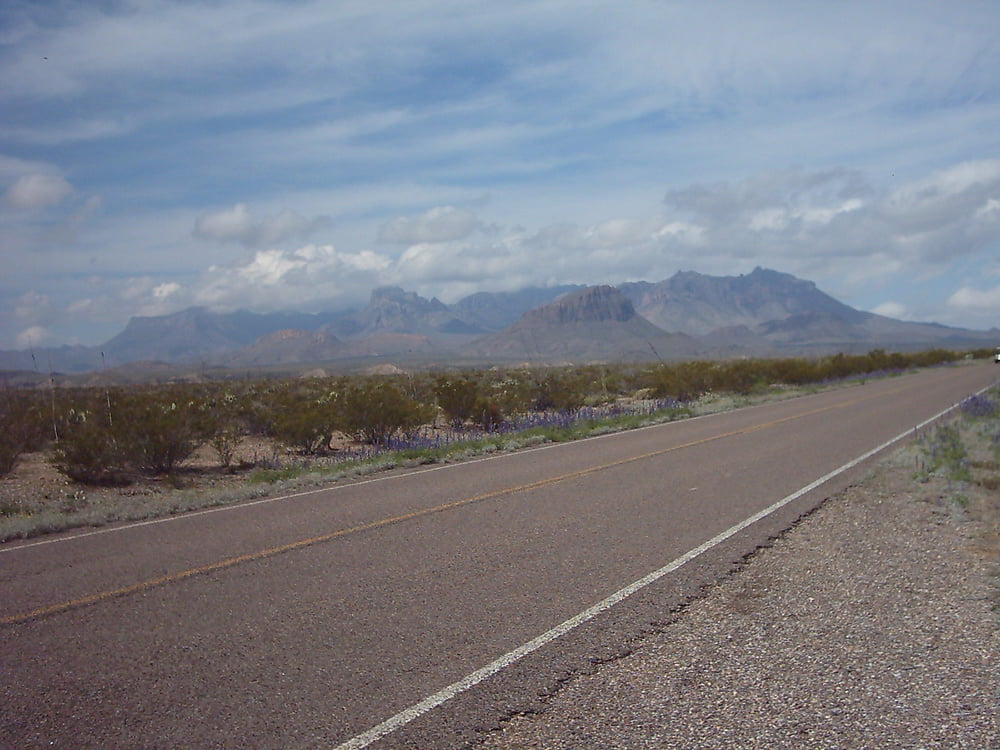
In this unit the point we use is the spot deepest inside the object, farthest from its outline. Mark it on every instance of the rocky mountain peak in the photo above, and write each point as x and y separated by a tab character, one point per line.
594	304
394	296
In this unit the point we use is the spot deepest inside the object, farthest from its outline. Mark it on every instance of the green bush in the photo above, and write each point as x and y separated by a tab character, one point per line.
509	393
88	452
457	396
302	416
22	425
106	439
683	381
374	411
489	415
562	389
306	427
157	433
222	426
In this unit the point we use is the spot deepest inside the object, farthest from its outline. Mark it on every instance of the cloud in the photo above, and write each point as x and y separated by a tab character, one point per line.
208	119
892	310
443	224
164	291
797	215
33	336
72	131
979	305
237	225
34	192
299	279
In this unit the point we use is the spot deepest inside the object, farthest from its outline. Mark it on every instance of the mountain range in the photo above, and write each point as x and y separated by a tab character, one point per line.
763	313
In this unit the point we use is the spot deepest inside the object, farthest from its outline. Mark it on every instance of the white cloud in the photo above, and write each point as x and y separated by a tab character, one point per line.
892	310
792	216
34	192
982	306
989	211
229	224
442	224
444	263
832	226
166	290
237	225
299	279
33	336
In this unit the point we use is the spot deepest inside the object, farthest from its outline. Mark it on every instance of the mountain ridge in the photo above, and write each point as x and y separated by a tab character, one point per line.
689	314
597	322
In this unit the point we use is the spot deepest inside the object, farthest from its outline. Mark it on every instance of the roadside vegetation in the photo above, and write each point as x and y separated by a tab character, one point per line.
141	451
957	464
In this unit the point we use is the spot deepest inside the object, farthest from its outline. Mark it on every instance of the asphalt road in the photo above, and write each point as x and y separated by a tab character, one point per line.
309	620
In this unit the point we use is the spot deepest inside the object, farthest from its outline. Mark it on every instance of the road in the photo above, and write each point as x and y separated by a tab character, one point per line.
309	620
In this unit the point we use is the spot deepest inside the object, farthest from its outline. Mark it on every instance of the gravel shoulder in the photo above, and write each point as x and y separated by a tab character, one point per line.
873	623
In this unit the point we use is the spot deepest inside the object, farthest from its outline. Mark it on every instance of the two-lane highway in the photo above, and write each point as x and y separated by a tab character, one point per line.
309	620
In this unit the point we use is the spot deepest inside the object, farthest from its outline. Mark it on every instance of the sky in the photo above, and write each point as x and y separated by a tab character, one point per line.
274	155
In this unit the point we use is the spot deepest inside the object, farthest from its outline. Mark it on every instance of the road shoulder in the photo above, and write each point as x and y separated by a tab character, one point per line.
872	623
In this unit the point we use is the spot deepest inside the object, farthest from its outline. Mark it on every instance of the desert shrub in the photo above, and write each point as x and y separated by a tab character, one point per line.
737	376
457	396
601	384
225	441
107	437
560	389
375	410
509	392
306	427
87	450
933	357
790	371
489	415
979	407
155	431
22	425
682	381
254	406
302	416
946	451
222	426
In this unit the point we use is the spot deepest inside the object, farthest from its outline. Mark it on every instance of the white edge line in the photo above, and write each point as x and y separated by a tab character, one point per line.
407	715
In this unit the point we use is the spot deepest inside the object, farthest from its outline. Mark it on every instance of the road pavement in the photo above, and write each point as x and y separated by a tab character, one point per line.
309	620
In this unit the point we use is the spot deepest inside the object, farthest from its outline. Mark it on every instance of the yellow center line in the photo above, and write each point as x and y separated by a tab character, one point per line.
311	541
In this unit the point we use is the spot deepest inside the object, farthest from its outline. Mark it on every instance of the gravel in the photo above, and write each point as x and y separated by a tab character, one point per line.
871	624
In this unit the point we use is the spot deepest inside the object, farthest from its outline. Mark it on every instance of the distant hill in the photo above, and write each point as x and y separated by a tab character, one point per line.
294	347
697	304
494	311
392	310
287	346
690	314
198	334
588	324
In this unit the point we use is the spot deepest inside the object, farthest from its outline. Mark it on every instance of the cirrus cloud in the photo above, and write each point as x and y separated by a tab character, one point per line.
236	224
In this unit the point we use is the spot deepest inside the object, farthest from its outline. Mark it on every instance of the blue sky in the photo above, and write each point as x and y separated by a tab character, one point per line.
273	155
